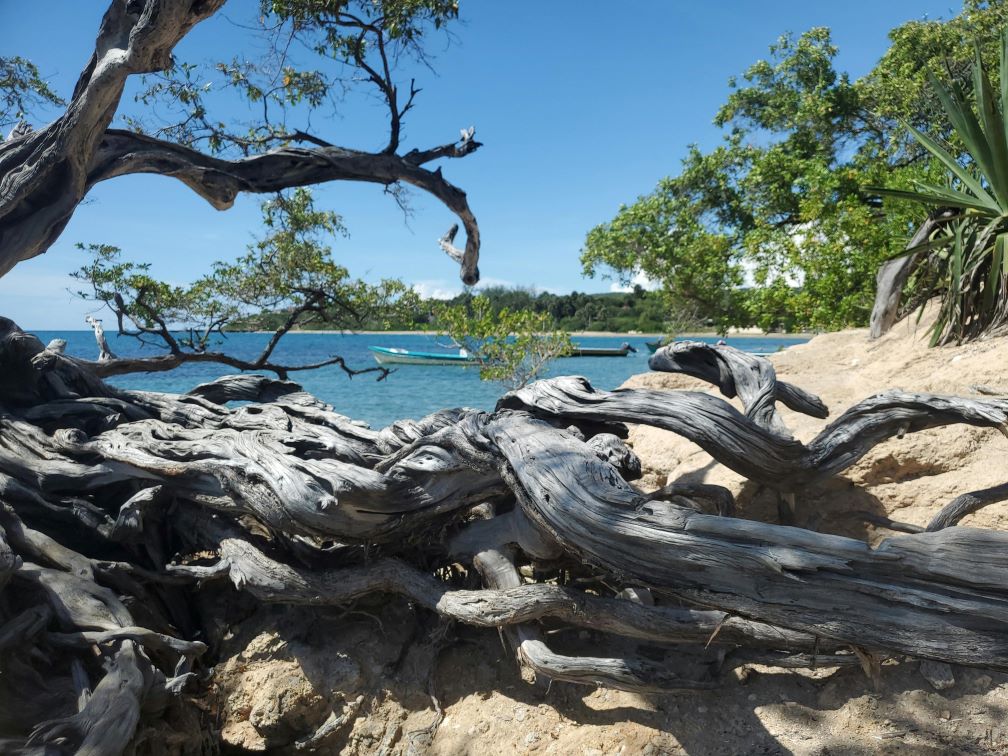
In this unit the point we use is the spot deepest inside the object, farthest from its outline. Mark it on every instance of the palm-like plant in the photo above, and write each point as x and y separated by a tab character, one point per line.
965	260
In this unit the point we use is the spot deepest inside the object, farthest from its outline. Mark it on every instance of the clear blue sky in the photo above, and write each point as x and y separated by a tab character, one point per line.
581	106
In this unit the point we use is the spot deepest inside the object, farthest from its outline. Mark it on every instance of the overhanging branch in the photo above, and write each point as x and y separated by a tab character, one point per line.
220	181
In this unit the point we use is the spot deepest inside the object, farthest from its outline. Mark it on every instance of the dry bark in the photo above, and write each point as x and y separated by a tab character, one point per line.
893	275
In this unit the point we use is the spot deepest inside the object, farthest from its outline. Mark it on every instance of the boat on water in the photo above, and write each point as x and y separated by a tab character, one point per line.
621	351
653	346
395	356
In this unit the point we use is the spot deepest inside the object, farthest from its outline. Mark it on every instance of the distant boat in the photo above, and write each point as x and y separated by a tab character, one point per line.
621	351
394	356
653	346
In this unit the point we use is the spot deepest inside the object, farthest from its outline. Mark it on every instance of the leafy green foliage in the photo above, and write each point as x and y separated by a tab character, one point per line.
289	271
772	227
511	347
22	88
966	262
348	42
678	235
619	312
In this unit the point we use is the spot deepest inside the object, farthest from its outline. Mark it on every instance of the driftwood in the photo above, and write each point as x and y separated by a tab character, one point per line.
746	447
893	275
112	502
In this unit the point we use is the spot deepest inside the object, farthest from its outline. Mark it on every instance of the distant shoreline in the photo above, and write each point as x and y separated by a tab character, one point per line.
743	333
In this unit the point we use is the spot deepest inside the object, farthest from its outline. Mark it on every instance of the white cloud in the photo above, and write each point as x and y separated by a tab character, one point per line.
639	279
438	289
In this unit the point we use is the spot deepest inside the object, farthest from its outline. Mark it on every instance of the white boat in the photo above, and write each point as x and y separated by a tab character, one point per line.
394	356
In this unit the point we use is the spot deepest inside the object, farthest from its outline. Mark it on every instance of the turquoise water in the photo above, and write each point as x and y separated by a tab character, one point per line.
411	392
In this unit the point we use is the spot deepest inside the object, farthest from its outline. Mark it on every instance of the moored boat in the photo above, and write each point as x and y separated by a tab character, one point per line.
395	356
621	351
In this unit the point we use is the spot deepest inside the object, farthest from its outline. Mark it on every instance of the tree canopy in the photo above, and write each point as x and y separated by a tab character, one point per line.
511	347
772	226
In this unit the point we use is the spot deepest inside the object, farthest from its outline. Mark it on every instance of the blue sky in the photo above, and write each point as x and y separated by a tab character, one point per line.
581	106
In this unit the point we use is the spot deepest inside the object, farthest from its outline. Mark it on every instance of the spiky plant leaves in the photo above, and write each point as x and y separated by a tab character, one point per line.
967	260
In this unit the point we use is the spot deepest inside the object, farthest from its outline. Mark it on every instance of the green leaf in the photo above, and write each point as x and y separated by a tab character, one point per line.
994	129
968	129
937	196
963	174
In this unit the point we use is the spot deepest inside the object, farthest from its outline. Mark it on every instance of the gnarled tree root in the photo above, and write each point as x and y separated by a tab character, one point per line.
111	501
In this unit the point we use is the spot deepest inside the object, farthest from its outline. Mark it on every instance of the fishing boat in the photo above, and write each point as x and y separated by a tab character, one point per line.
395	356
621	351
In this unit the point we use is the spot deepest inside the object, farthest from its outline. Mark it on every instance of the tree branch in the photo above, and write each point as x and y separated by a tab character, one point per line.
170	361
219	181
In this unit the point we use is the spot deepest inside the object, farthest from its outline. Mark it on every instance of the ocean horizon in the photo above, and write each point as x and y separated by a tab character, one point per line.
412	391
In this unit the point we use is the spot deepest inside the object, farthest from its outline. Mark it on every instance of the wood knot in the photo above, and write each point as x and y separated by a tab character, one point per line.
71	436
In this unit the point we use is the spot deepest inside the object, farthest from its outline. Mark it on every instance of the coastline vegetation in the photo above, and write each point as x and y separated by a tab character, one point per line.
774	226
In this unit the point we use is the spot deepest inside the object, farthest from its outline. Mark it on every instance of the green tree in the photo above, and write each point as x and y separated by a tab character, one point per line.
22	91
511	347
289	273
772	227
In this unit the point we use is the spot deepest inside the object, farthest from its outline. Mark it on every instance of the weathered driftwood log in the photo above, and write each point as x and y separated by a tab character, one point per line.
737	373
934	595
966	504
742	445
100	490
893	274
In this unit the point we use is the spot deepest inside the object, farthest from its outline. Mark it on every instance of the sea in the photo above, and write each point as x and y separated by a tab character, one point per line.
412	391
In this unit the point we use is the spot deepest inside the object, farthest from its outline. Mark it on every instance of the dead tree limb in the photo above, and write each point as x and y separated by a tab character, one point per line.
104	353
967	504
893	274
46	173
740	444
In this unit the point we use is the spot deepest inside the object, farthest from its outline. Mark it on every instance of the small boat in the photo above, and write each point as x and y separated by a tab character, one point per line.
394	356
621	351
653	346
